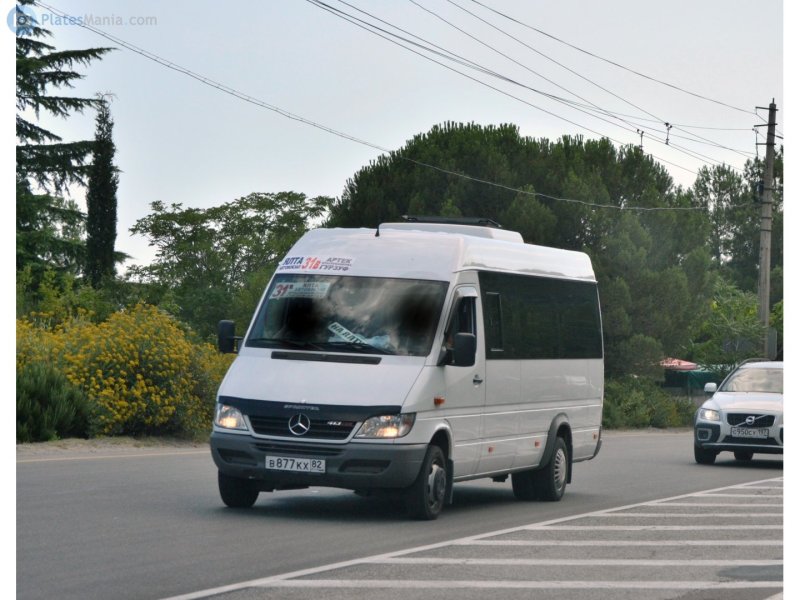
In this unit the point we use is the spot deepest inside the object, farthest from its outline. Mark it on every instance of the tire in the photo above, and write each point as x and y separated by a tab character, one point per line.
425	497
550	482
236	492
703	456
743	454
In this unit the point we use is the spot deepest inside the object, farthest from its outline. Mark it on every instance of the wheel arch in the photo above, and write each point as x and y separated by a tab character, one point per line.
559	428
442	437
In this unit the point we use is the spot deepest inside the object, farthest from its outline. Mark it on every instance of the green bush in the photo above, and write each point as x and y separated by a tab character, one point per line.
49	407
636	402
139	371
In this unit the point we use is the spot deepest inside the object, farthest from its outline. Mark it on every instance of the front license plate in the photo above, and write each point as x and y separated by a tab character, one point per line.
299	465
747	432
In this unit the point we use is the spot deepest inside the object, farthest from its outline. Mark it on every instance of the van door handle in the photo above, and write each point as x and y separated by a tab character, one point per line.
477	380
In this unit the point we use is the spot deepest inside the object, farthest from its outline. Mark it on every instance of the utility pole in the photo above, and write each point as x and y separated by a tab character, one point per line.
766	230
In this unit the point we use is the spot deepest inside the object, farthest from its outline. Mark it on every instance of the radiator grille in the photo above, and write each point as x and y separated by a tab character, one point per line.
739	420
320	428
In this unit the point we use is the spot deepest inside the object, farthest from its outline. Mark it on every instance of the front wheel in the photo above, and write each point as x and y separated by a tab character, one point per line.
551	481
236	492
703	456
425	498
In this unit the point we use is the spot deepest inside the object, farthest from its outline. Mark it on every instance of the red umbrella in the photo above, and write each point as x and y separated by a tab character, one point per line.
676	364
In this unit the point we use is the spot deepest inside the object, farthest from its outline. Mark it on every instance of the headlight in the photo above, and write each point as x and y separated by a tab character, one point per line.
386	426
229	417
708	414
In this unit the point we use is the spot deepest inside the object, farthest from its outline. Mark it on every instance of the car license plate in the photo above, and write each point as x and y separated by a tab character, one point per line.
748	432
299	465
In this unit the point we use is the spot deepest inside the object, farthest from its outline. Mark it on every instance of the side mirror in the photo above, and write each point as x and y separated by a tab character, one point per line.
710	388
464	347
226	337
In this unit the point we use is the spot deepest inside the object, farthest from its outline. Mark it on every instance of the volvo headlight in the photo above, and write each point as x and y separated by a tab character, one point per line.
229	417
386	426
708	414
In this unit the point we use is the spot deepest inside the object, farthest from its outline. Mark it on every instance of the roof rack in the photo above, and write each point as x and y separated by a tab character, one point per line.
476	221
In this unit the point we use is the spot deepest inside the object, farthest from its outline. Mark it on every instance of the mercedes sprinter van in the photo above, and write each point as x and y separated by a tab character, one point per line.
409	358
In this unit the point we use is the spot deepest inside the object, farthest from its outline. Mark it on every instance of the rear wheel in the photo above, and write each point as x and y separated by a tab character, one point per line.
236	492
743	454
550	482
703	456
426	496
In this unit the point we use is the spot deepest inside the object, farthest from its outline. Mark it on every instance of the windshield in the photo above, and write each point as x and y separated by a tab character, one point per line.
349	314
755	380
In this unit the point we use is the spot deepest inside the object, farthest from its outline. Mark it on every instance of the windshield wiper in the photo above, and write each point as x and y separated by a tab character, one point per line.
358	347
264	342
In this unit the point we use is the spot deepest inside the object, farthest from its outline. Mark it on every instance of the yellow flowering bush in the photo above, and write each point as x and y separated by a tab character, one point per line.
36	344
138	369
208	367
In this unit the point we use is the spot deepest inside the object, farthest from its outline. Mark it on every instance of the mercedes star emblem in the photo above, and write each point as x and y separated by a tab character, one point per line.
299	424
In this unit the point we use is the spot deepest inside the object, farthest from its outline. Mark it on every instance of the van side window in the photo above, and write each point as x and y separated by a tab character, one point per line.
493	322
540	317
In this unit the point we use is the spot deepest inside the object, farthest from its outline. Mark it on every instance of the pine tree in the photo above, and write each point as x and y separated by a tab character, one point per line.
48	226
101	202
42	156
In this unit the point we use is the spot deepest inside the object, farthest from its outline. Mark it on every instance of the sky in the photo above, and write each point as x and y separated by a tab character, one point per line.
181	141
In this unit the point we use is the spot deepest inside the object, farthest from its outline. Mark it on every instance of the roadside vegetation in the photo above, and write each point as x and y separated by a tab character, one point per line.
103	353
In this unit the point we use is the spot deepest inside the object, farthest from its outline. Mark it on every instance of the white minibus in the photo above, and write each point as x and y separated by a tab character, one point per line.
411	357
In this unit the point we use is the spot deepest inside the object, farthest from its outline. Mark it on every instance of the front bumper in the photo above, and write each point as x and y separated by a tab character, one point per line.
353	466
713	435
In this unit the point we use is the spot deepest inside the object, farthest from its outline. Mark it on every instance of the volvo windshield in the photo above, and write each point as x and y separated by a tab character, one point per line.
755	380
349	314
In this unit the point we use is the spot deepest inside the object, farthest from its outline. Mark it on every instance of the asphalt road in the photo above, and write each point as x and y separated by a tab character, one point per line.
144	523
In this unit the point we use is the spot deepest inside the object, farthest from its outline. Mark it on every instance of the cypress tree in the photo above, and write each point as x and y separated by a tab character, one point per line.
101	202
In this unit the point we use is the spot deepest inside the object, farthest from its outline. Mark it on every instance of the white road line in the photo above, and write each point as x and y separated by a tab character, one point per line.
620	543
693	515
290	579
527	585
575	562
649	527
717	504
761	496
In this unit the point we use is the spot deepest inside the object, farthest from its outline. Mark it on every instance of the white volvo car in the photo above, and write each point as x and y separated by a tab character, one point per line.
744	415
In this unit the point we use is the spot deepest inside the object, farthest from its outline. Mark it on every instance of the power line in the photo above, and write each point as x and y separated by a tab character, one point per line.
371	28
374	30
506	56
545	56
611	62
639	122
378	31
255	101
